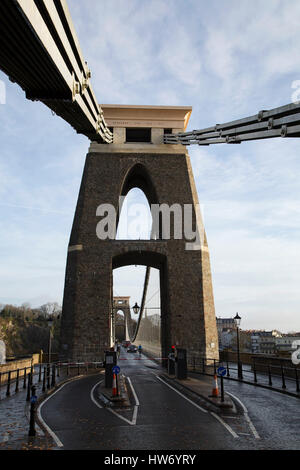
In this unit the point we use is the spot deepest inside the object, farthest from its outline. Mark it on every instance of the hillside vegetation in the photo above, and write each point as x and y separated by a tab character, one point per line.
26	331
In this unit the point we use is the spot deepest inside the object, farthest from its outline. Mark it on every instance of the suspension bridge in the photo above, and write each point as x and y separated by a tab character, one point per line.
40	51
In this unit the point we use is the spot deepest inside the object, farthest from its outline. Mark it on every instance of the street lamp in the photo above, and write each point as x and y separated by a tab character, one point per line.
237	320
136	308
50	323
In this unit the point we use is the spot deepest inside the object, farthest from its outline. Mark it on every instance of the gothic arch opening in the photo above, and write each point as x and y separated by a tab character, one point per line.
135	219
153	333
137	188
120	327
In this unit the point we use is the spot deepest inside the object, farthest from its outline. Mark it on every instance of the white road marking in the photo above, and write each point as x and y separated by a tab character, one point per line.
52	434
199	407
92	394
234	434
135	410
181	394
137	403
121	417
251	425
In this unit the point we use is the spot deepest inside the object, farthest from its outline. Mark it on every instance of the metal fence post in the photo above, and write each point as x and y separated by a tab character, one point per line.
8	384
270	376
28	387
53	375
254	371
297	380
227	366
48	375
40	372
17	381
44	380
222	388
282	376
24	381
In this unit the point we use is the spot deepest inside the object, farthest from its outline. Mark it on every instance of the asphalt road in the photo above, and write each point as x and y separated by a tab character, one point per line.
163	419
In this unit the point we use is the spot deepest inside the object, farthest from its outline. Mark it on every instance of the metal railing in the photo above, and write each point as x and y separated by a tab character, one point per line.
273	375
12	381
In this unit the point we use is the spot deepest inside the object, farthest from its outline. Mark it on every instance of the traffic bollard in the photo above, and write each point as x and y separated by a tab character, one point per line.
33	400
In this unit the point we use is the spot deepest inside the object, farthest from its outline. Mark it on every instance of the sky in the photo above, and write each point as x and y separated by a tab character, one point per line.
227	60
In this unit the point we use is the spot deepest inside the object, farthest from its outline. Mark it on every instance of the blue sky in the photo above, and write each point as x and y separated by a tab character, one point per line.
226	59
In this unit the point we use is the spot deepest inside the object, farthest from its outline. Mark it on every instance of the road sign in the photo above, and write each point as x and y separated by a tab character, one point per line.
221	371
33	399
116	370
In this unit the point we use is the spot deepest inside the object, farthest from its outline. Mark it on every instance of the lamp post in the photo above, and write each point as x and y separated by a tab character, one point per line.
237	320
50	323
136	308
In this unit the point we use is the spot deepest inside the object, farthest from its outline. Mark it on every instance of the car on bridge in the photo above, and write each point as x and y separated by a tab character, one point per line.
132	348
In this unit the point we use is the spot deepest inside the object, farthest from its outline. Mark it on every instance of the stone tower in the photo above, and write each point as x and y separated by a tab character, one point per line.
137	158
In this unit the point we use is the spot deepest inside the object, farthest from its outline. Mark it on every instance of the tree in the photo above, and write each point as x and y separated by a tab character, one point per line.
50	309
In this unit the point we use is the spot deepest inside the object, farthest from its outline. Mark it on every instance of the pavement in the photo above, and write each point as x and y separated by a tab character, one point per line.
15	416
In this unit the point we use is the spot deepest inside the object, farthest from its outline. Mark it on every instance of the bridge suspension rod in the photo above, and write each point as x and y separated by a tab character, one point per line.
133	332
40	51
283	121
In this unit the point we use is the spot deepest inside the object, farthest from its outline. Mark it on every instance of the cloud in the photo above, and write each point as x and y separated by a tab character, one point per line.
226	59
